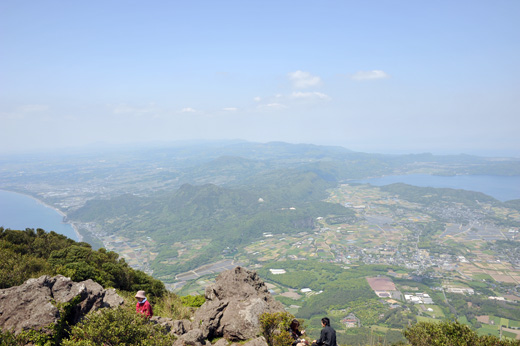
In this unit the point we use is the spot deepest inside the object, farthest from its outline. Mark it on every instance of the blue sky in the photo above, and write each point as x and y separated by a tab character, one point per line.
375	76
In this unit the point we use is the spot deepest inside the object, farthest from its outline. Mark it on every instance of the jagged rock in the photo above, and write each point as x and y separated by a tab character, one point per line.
260	341
221	342
32	305
165	322
180	327
233	306
192	338
177	327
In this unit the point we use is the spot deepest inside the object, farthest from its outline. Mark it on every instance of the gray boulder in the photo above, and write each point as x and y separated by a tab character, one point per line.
221	342
33	305
192	338
233	306
176	327
260	341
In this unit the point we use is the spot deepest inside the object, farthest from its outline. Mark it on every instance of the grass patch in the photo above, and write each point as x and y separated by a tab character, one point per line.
437	311
514	324
496	320
379	328
292	311
509	334
482	276
464	320
488	330
479	284
426	319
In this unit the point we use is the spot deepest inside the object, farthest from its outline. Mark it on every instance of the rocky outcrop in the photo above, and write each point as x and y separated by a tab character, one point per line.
192	338
34	305
233	306
260	341
230	314
177	327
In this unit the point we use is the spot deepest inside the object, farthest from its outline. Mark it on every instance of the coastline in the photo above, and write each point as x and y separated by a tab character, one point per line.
72	225
502	188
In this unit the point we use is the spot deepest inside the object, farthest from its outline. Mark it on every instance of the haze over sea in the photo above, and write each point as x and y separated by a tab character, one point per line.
19	212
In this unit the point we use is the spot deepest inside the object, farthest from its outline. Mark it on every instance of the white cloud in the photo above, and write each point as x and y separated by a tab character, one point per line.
309	95
369	75
188	110
257	99
275	105
230	109
302	79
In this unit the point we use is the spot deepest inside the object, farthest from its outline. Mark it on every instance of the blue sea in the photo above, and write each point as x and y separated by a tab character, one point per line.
499	187
19	212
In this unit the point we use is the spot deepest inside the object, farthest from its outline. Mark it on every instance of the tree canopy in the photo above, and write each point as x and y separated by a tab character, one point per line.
32	253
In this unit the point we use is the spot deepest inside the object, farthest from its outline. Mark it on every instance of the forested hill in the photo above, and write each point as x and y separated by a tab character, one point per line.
430	195
32	253
226	217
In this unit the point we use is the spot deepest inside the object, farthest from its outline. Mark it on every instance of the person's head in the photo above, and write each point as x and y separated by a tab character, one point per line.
325	321
140	296
295	324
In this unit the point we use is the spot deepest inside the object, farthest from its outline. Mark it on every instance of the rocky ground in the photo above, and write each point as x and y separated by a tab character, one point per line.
231	312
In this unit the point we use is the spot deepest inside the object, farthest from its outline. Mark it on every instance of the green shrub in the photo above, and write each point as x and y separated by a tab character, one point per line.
193	301
29	337
450	334
275	328
171	306
120	326
27	254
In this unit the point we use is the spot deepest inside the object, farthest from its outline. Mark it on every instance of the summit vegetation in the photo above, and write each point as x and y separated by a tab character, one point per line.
32	253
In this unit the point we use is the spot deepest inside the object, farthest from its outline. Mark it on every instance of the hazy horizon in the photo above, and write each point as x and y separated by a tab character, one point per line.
378	77
99	147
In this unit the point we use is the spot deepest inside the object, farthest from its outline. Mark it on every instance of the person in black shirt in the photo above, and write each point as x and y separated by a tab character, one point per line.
327	336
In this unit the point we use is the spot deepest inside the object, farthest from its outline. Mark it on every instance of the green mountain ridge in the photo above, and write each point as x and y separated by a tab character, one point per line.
227	217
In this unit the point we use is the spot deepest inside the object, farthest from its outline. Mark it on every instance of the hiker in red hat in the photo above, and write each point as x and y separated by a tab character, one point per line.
143	306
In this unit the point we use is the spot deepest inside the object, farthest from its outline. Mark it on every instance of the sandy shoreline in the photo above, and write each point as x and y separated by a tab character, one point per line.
74	227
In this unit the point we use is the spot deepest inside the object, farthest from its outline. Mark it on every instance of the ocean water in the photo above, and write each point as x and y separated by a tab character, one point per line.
19	212
499	187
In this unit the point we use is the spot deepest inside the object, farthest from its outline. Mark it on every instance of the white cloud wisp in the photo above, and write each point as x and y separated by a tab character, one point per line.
302	79
370	75
309	95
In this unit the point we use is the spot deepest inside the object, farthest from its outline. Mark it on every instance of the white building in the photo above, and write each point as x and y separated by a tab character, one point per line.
277	271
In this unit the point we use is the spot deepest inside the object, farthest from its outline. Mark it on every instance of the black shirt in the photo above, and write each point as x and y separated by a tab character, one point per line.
327	337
